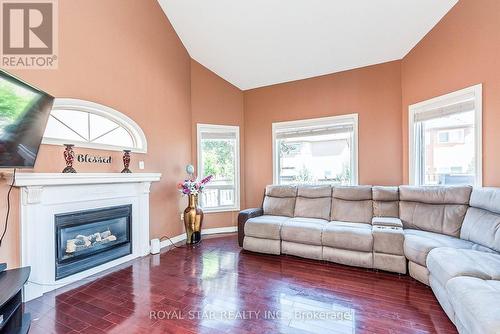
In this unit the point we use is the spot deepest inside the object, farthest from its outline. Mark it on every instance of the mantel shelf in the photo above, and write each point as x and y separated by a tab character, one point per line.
61	179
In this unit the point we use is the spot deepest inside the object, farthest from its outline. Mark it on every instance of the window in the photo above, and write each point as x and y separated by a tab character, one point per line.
91	125
445	139
451	136
218	155
316	151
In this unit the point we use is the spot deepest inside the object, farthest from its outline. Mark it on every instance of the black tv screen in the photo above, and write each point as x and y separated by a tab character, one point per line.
24	111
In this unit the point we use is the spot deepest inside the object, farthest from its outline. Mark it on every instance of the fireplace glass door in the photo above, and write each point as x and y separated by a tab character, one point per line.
86	239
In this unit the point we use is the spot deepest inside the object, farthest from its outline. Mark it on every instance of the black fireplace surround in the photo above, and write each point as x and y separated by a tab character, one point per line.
86	239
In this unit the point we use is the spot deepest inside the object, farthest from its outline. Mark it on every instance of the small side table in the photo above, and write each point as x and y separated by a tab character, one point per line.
12	317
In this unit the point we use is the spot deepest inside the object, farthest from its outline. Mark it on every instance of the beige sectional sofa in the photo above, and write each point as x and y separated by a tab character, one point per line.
445	237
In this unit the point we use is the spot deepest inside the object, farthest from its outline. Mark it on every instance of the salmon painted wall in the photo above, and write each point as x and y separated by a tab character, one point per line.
216	101
462	50
373	92
132	60
123	54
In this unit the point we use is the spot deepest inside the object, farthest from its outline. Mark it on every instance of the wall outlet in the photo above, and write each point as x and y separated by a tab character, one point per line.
141	164
182	216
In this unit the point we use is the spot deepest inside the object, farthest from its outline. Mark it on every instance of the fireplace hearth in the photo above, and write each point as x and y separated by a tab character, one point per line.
86	239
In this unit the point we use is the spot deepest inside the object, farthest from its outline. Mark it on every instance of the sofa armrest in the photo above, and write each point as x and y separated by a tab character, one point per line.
243	216
387	222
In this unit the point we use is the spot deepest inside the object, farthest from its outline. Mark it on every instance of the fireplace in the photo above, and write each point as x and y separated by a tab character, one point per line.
86	239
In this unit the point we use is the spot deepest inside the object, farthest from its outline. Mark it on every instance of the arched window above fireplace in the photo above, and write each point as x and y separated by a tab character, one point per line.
92	125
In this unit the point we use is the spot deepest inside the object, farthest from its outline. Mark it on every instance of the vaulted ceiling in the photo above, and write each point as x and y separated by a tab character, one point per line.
256	43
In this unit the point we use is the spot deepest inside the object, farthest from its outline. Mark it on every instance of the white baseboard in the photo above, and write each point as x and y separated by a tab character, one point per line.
182	237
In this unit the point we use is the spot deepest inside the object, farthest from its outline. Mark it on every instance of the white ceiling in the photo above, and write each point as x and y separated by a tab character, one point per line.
256	43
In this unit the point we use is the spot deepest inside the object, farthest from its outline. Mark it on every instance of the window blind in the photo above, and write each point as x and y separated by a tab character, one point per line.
319	131
218	135
448	110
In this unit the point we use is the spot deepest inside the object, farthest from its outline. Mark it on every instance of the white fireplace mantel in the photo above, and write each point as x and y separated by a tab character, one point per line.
62	179
43	195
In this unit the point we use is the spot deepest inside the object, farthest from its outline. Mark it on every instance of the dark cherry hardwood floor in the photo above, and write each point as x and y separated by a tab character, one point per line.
218	288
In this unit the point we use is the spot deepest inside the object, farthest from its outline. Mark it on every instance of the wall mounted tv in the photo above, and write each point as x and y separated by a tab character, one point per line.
24	111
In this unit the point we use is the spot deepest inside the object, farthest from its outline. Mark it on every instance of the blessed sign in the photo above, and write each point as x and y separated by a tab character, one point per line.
94	159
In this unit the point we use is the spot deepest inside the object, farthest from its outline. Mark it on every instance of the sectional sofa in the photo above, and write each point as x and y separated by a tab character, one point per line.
445	237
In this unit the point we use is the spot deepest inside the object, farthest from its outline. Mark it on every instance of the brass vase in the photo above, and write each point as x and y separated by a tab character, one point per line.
193	218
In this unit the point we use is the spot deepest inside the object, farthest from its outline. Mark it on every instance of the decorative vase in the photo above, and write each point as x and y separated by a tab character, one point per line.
193	219
69	157
126	161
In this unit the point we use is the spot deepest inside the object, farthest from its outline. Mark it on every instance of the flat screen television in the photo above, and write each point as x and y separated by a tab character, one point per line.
24	112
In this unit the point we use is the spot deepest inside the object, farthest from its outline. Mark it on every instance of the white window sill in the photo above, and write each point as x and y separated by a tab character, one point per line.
217	210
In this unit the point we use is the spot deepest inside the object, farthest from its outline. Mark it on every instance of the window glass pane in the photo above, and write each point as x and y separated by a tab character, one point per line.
57	130
226	197
88	124
218	158
210	198
100	125
323	158
117	137
76	120
449	150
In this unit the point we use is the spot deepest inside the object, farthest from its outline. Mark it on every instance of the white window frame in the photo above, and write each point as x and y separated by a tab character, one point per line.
314	122
472	92
135	131
200	127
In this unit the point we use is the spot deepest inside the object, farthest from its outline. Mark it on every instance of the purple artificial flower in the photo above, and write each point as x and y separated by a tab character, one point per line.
207	179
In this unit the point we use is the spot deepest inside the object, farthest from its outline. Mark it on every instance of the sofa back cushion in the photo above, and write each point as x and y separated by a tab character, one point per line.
352	204
313	202
385	201
439	209
482	220
279	200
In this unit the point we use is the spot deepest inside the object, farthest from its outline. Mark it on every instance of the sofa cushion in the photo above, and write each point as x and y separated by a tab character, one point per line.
475	302
434	209
486	198
314	191
436	194
303	230
352	204
385	201
281	191
418	244
482	220
482	227
313	202
444	219
384	193
445	263
267	227
353	193
386	209
349	236
279	200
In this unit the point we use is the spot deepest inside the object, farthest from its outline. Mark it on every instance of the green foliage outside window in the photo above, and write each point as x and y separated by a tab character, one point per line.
218	158
304	175
345	176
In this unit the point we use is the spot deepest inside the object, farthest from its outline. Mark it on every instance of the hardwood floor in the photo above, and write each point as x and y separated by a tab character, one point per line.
218	288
